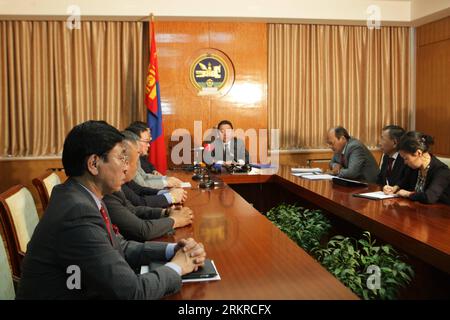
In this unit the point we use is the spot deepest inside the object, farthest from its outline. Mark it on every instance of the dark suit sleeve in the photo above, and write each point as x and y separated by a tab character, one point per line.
138	254
381	175
409	179
335	160
438	184
141	190
137	226
355	160
85	243
155	201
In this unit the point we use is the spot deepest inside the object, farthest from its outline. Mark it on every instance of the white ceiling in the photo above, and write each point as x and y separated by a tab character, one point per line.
393	12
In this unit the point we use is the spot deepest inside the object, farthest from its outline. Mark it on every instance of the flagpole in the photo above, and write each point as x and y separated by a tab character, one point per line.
150	29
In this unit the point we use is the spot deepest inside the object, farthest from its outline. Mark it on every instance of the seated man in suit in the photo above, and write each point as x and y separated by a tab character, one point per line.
147	178
227	148
433	179
393	169
142	223
351	159
76	253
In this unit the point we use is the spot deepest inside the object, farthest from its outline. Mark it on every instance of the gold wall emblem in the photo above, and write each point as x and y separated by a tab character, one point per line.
210	73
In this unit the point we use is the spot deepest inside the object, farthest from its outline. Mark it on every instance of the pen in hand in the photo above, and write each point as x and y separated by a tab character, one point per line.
387	188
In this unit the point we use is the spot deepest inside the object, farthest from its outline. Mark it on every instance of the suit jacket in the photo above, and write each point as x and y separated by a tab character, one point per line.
72	232
146	165
143	196
401	174
437	184
149	180
359	162
236	152
136	223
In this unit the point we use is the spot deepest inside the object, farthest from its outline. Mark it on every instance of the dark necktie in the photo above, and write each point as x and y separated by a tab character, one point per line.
342	160
389	166
226	152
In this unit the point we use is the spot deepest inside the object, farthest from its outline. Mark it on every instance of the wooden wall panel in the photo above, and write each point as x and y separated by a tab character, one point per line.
244	43
433	32
433	83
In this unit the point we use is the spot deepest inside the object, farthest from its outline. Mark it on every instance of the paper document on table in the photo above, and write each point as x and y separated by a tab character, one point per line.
305	170
185	185
317	176
378	195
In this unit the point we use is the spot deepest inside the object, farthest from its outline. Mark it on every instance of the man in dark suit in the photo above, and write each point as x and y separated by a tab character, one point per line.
226	147
146	175
142	223
351	159
393	170
76	253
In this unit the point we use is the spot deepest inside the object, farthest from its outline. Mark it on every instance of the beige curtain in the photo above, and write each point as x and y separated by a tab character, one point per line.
321	76
52	78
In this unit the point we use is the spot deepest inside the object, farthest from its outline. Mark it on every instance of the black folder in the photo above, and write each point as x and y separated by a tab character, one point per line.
207	271
348	182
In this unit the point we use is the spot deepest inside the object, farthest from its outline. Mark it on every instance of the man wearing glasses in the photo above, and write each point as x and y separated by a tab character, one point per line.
75	232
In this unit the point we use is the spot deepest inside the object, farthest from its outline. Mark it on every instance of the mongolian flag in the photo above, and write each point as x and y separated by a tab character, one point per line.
157	155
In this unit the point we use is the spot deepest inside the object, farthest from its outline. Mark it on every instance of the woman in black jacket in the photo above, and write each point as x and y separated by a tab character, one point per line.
433	181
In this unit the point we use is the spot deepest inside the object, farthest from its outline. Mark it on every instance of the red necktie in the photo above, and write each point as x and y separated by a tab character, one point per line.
107	222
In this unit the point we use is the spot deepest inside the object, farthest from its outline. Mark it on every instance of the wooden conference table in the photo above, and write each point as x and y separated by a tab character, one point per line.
254	258
420	230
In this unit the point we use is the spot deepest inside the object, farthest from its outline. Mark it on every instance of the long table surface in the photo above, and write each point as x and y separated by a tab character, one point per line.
254	258
422	230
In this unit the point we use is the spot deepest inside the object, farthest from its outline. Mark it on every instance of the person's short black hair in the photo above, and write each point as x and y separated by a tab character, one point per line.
415	140
85	139
395	132
340	131
137	127
225	122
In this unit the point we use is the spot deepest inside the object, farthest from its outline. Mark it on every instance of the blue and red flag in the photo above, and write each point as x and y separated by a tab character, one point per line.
157	155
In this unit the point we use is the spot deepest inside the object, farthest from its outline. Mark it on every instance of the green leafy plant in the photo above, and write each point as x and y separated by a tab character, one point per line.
371	271
357	262
304	226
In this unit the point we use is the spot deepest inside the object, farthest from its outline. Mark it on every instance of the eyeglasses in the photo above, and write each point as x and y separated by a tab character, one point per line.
145	141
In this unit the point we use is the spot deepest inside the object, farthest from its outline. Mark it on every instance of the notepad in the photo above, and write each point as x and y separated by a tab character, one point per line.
206	273
378	195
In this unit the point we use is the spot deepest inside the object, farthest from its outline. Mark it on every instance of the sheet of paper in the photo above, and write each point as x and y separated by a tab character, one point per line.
377	195
305	170
185	185
301	174
317	176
